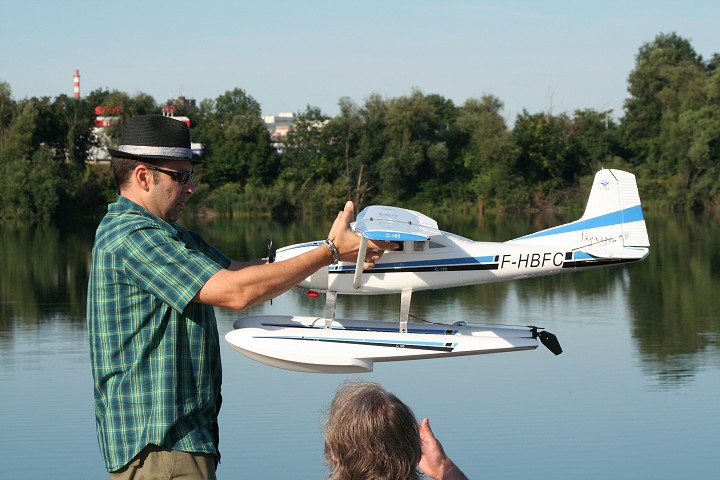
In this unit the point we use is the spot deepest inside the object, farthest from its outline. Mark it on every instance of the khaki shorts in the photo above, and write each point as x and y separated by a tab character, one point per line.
157	463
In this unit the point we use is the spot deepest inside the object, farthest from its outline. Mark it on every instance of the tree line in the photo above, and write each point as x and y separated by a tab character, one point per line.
419	151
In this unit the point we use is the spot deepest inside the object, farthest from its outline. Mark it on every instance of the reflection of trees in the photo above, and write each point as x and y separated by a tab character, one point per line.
673	294
43	271
675	297
247	238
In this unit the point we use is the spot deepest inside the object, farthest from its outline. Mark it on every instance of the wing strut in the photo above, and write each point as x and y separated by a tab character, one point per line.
360	261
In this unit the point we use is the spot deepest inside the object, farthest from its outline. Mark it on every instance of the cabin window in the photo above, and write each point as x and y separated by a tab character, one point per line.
434	244
419	246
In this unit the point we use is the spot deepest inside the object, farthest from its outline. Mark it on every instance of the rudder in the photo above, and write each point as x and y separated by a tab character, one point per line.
615	193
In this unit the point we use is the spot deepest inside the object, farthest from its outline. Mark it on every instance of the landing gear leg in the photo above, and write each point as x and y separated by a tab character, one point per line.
405	297
330	299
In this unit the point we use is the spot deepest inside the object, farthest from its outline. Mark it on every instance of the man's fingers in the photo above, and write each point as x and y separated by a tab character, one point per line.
348	210
425	428
381	245
342	222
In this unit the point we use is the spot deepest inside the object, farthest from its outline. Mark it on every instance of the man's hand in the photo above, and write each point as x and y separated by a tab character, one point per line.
348	242
434	462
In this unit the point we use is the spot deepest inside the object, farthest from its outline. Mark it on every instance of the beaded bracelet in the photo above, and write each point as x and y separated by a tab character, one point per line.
334	250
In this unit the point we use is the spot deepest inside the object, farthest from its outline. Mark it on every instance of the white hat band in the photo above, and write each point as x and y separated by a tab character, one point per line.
161	151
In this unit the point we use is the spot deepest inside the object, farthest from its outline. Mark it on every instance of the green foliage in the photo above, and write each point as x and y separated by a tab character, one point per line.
30	188
544	146
416	149
593	141
7	105
43	146
18	135
489	154
305	159
29	177
65	126
236	145
347	141
701	131
419	150
87	192
671	125
231	199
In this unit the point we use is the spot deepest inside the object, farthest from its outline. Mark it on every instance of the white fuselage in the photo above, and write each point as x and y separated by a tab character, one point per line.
444	261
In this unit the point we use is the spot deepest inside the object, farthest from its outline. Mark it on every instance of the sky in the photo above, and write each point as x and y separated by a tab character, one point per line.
552	56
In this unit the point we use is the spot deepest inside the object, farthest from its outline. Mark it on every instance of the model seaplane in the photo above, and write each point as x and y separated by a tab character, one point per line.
611	232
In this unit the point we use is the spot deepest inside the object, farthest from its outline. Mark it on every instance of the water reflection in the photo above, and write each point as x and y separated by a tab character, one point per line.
674	299
43	271
672	295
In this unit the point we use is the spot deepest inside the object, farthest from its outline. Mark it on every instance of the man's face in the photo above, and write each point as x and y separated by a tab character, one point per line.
168	194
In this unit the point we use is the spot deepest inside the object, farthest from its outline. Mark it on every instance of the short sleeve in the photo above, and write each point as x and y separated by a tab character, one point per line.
159	262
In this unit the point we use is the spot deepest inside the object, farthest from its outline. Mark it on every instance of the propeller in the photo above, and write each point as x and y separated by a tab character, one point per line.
271	254
271	250
548	339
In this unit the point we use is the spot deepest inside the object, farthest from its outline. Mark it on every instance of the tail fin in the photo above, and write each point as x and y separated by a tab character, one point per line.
612	226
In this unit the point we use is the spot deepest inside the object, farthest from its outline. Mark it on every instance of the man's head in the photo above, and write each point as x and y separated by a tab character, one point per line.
150	139
372	434
153	166
154	137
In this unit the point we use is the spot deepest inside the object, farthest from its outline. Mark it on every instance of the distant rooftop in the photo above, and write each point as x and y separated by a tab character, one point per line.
283	118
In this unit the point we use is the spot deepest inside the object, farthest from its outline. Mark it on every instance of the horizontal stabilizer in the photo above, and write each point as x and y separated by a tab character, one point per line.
626	253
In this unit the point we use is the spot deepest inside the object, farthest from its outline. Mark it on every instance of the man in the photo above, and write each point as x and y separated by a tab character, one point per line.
154	342
371	434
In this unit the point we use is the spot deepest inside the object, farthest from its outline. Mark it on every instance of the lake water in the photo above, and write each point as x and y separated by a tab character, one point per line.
633	396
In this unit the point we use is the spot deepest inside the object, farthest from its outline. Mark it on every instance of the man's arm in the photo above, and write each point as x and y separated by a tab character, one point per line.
235	265
246	284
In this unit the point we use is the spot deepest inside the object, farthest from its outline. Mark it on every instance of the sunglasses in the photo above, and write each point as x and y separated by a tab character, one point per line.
181	176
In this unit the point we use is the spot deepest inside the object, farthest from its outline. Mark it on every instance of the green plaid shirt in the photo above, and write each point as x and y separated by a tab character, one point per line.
155	354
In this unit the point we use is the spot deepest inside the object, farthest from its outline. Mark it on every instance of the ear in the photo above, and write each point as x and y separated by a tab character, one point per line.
143	177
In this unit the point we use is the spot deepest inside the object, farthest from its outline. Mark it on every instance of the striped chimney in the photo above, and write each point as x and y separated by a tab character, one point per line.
76	79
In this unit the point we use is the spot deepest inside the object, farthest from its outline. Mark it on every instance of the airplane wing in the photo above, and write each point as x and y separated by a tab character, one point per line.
394	224
379	222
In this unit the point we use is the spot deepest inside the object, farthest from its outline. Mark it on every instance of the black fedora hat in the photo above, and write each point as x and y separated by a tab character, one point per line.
154	137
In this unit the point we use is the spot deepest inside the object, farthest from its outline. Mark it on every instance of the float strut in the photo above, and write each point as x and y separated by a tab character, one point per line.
330	298
405	297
